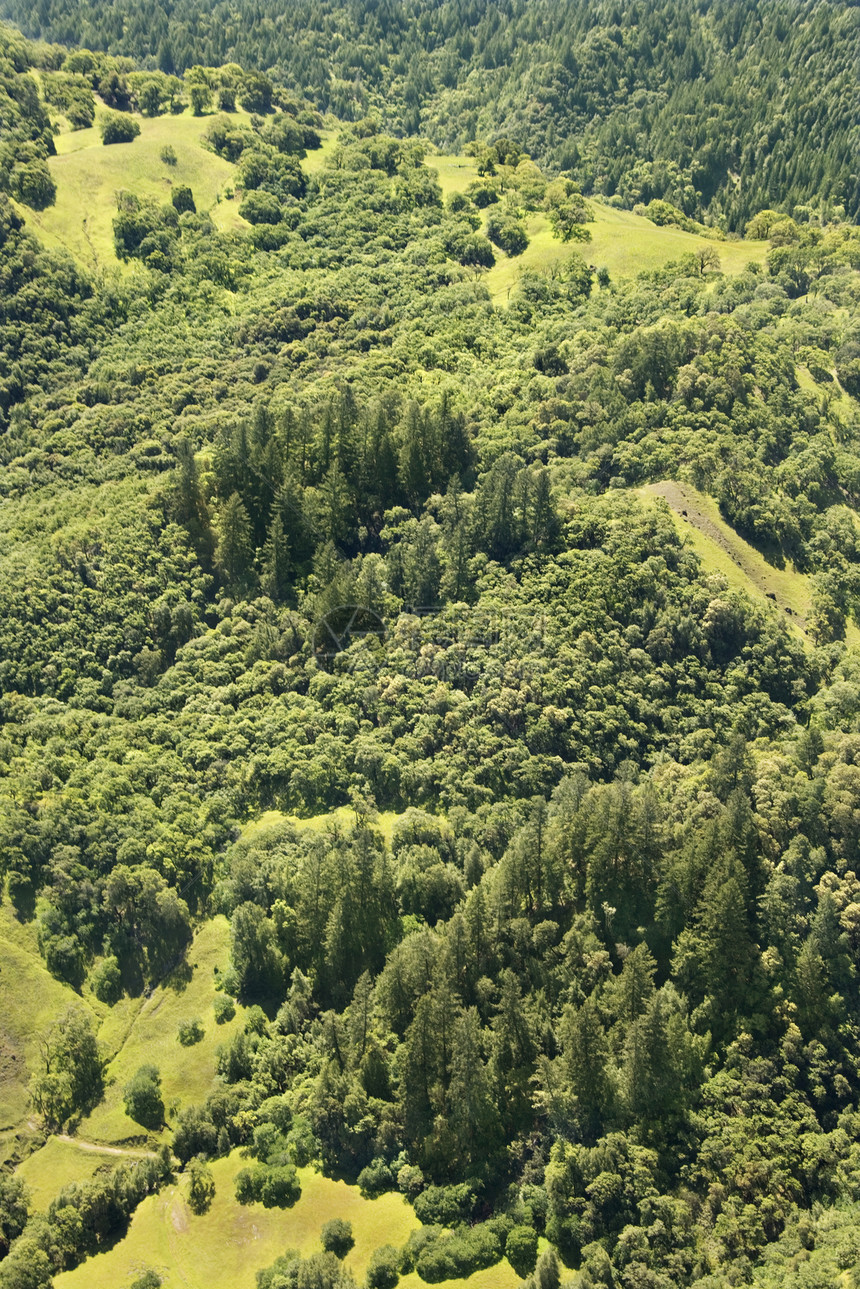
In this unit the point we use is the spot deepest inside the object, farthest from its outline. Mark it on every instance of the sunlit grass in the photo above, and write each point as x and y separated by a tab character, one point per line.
722	550
56	1165
623	243
31	1000
342	817
188	1074
225	1247
88	176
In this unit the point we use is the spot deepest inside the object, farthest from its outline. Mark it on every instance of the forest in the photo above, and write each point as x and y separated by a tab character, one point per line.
723	107
451	618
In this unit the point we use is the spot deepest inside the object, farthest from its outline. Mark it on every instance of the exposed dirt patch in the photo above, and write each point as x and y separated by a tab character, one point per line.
179	1214
96	1149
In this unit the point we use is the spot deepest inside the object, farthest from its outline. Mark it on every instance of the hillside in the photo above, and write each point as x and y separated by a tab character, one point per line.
429	674
670	100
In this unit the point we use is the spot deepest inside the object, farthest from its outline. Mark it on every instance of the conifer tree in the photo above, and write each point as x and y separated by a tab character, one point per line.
235	550
276	560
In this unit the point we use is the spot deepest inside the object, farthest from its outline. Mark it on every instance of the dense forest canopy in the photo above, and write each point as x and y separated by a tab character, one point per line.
721	108
339	599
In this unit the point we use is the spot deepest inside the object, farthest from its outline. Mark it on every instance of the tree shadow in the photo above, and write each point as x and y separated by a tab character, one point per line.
180	977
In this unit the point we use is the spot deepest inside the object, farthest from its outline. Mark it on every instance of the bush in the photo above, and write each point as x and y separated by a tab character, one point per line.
142	1098
319	1271
201	1191
336	1237
375	1179
272	1187
477	252
33	185
168	155
521	1249
190	1032
194	1134
183	199
410	1180
507	233
261	208
106	981
148	1280
451	1256
446	1205
383	1271
224	1008
119	127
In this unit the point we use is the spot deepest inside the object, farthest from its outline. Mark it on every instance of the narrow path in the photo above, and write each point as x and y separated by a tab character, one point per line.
95	1149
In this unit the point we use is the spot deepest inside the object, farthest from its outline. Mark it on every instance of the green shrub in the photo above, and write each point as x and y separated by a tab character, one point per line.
201	1191
375	1179
521	1249
106	981
149	1279
273	1187
119	127
446	1205
190	1032
224	1008
336	1237
383	1271
142	1098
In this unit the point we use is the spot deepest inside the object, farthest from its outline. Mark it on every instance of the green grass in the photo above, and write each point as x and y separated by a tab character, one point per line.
624	243
318	157
147	1033
722	550
341	817
455	172
839	401
225	1247
30	1001
88	175
56	1165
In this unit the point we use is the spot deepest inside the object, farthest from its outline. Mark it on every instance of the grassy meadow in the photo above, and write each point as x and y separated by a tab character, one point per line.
88	176
145	1031
30	1001
58	1163
624	243
342	817
721	550
224	1248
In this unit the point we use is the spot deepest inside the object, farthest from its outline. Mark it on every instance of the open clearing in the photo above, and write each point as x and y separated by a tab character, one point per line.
624	243
341	817
88	176
145	1031
30	1001
225	1247
722	550
59	1162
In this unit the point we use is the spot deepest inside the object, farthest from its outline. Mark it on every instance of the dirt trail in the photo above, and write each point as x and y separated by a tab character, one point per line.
686	504
95	1149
